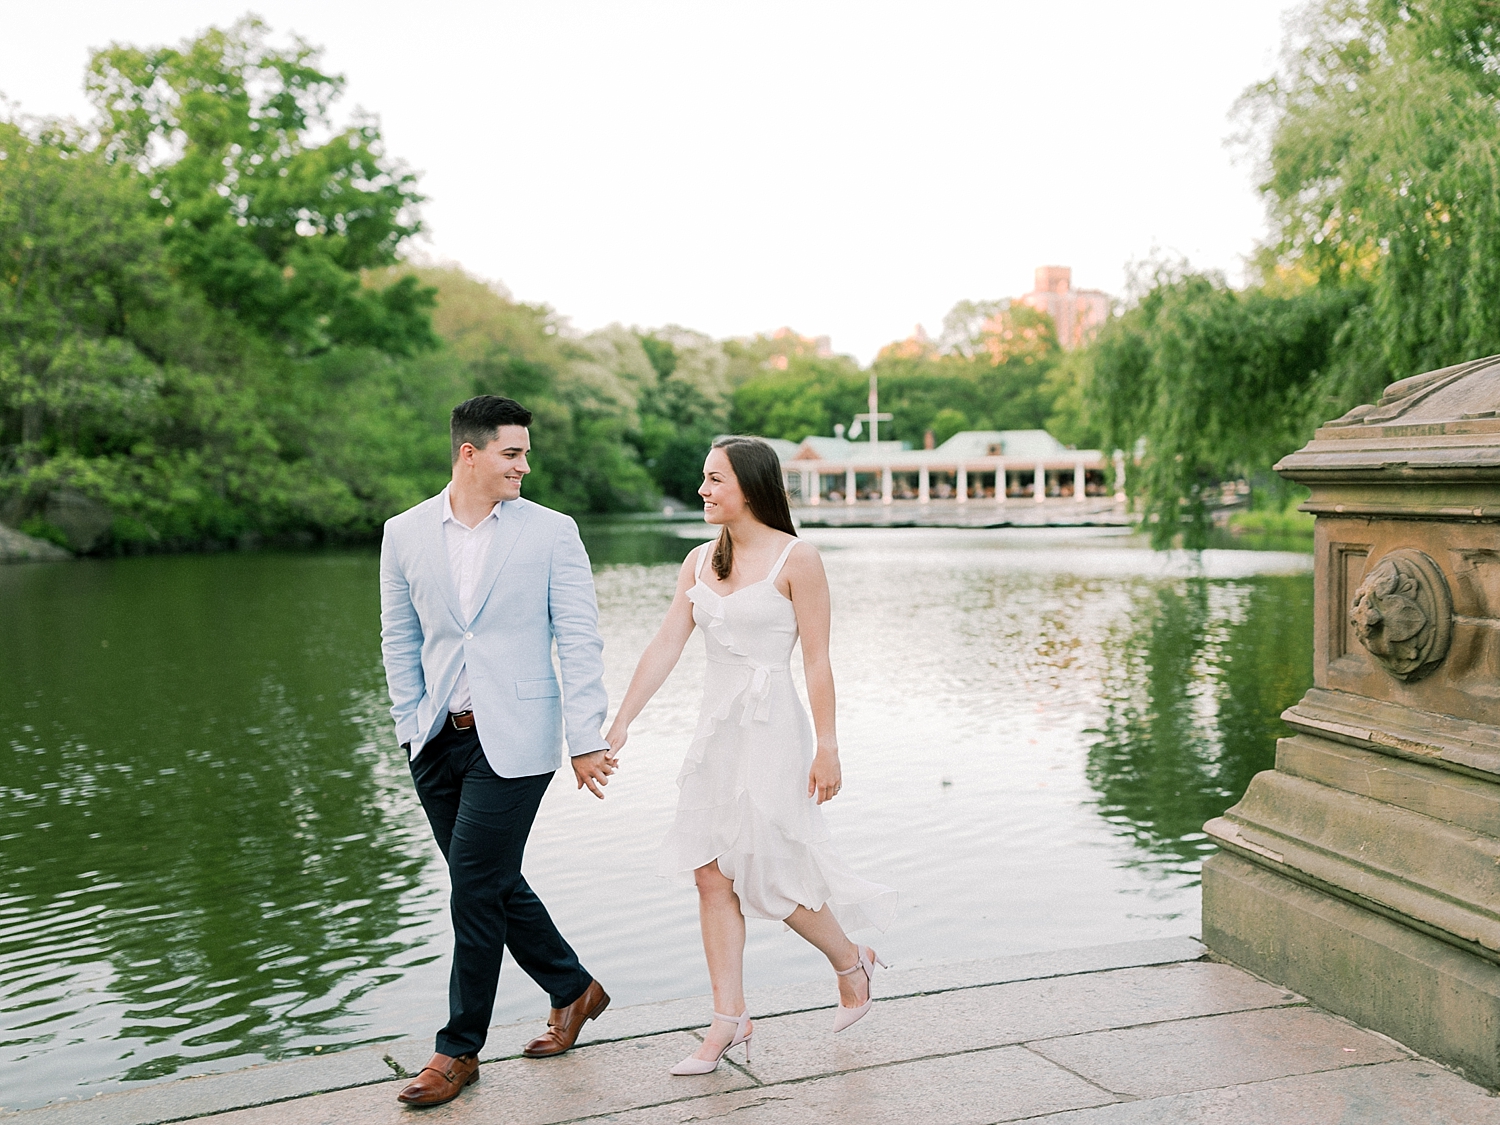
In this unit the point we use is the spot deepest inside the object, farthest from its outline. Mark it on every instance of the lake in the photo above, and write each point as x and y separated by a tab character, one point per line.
211	855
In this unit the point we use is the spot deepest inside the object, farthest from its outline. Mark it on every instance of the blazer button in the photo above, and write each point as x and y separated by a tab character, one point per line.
468	636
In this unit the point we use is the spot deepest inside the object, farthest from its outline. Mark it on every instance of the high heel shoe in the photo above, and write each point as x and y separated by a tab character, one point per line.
844	1017
695	1065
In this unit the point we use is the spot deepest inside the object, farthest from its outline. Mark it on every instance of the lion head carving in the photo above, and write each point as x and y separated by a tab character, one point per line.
1402	614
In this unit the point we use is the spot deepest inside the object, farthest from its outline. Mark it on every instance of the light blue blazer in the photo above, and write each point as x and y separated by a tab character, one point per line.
536	588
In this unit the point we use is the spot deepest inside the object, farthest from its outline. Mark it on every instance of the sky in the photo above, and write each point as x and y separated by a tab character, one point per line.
845	169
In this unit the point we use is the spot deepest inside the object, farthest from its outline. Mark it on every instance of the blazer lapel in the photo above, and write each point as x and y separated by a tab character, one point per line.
513	516
435	551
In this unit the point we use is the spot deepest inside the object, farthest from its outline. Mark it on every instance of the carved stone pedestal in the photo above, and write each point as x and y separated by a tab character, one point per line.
1364	870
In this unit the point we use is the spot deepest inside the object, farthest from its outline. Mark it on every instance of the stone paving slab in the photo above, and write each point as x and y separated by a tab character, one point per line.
1006	1084
1134	1034
191	1097
184	1098
803	1046
1032	966
601	1080
505	1040
1404	1093
1201	1054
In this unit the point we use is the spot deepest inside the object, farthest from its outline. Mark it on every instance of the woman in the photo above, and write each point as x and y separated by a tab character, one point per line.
748	826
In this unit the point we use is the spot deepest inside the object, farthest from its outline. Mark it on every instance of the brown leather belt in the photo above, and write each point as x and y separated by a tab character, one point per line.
461	720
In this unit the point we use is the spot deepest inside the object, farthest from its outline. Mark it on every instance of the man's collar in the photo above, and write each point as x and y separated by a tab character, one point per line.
494	512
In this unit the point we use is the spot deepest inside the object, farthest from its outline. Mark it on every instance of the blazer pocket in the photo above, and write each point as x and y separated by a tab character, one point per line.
537	689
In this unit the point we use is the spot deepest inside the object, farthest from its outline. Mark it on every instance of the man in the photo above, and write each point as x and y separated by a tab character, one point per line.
475	586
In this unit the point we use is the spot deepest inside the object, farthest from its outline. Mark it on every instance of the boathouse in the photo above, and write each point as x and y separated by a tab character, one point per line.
995	465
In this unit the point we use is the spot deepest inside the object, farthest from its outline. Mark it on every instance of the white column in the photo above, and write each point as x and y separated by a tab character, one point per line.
812	485
887	486
963	484
848	485
1000	483
924	481
1078	482
1119	476
1039	483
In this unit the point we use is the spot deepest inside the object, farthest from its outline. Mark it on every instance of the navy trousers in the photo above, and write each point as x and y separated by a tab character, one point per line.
481	821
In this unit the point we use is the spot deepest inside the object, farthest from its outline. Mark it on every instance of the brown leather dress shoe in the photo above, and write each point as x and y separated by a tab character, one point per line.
564	1024
441	1080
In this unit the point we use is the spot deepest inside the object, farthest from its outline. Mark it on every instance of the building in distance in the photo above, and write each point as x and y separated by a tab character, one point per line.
1077	313
973	464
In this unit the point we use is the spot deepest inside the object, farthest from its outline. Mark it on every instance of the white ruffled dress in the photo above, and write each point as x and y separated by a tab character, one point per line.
742	796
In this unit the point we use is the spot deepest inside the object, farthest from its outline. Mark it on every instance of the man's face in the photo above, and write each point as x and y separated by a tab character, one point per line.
498	468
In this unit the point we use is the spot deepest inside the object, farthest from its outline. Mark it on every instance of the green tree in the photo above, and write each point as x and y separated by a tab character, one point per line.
989	371
808	396
82	265
177	349
261	221
947	422
1216	383
679	417
993	375
1379	136
1068	387
115	386
748	357
582	391
1380	139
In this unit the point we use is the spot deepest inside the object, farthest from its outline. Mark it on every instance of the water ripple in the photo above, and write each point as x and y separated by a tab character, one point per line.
212	855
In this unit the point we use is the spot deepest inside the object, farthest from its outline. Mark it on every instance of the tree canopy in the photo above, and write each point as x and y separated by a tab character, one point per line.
208	331
1381	137
1378	140
1215	384
259	219
182	309
996	367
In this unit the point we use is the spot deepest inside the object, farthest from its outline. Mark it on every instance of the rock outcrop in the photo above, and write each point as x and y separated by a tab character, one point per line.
16	547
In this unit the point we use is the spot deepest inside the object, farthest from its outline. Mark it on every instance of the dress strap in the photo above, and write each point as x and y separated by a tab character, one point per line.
708	549
781	562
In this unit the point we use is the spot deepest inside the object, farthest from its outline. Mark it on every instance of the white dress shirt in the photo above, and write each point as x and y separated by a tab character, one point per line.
467	548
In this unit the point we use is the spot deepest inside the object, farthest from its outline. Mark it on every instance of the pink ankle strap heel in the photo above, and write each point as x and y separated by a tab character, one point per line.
868	959
742	1033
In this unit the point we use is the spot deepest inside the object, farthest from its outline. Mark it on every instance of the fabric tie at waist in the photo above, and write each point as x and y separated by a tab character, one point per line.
757	695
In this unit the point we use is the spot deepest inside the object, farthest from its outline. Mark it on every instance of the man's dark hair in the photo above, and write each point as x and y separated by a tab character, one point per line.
476	420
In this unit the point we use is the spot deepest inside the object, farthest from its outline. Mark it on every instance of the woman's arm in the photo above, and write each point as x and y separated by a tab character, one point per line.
807	586
660	657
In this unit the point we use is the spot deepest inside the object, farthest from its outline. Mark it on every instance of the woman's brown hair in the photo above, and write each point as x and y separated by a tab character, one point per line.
758	470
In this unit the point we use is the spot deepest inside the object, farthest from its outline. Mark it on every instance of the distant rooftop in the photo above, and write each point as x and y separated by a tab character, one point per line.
1022	445
839	449
1002	443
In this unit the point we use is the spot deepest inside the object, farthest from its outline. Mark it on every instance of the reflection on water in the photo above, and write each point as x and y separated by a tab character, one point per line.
1196	681
625	541
211	854
208	852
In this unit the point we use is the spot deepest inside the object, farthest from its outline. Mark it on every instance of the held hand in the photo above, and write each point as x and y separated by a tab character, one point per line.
593	770
826	777
617	737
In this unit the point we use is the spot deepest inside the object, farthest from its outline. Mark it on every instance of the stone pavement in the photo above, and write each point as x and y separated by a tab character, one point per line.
1142	1033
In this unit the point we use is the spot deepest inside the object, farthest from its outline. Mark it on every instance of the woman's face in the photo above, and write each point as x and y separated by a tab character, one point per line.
723	502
